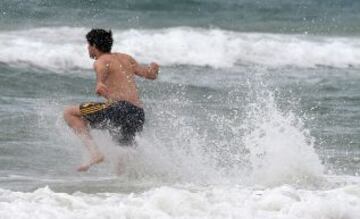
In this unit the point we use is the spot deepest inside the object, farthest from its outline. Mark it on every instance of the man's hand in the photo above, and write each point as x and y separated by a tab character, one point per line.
153	70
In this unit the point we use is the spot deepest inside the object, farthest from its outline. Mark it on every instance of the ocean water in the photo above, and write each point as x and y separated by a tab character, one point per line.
255	113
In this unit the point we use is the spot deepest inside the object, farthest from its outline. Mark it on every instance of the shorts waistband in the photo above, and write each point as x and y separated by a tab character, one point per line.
120	102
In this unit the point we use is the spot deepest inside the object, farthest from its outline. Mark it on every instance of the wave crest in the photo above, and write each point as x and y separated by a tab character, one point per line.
65	48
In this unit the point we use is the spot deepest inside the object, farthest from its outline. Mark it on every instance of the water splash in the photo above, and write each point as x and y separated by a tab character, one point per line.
281	150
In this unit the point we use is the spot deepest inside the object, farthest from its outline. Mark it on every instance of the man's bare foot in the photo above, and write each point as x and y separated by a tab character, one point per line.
94	160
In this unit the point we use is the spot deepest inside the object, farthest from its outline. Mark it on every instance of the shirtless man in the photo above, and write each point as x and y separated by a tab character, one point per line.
121	113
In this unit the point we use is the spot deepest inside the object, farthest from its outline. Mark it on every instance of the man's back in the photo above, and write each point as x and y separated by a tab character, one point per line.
119	77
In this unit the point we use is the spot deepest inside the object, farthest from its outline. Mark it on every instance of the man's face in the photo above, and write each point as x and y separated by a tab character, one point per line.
91	50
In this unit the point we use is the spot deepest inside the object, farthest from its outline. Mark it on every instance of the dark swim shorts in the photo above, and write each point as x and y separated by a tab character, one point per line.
121	118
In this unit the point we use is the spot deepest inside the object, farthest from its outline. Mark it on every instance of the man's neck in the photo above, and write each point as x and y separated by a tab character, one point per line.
97	56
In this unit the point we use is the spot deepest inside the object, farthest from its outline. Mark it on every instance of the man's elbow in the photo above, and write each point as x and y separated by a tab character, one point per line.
101	90
98	92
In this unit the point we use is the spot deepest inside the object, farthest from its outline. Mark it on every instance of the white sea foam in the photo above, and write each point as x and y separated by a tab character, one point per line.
65	48
283	202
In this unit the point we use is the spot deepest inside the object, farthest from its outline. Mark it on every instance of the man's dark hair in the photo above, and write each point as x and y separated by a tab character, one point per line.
102	39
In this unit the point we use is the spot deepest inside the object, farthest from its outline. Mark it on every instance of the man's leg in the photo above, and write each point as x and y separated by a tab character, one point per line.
73	118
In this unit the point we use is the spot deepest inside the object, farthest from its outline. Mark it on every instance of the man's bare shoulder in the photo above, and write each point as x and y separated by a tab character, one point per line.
124	56
99	63
103	61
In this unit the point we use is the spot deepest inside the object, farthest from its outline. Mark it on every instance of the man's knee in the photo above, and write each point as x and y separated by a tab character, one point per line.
69	112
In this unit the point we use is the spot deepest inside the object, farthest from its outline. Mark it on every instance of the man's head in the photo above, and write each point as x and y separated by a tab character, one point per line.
100	41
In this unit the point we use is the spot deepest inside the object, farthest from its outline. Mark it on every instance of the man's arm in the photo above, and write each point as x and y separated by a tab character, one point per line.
102	71
149	72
